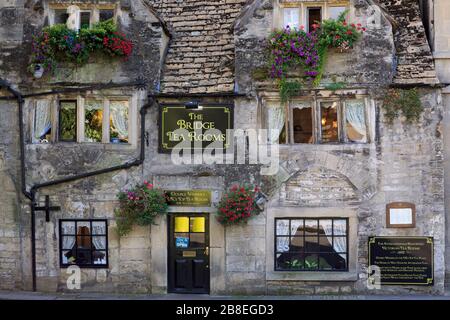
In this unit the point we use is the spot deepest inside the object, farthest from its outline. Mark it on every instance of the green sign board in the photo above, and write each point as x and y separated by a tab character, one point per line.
188	198
195	128
403	260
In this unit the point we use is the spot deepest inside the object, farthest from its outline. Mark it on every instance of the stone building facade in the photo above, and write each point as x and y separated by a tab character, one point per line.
210	51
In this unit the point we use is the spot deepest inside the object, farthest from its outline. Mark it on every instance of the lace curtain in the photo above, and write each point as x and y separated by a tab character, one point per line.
283	229
68	241
275	121
356	120
42	120
119	117
99	241
340	243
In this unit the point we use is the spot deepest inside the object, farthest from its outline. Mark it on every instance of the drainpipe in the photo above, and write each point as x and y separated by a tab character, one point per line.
31	195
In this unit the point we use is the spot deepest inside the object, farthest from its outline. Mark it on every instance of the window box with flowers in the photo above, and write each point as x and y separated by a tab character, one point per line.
58	44
140	205
238	205
305	52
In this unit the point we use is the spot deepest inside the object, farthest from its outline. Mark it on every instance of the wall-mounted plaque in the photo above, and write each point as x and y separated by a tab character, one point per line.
188	198
403	260
196	128
400	215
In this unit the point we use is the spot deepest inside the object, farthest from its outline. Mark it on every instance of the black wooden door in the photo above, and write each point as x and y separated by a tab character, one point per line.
188	253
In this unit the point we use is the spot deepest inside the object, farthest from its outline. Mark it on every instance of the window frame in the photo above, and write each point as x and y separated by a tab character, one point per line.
315	104
59	120
276	236
105	99
93	8
303	11
83	266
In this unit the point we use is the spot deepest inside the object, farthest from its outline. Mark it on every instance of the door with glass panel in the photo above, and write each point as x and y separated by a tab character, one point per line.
188	253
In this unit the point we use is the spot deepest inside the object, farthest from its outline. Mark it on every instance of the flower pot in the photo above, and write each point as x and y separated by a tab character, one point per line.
38	71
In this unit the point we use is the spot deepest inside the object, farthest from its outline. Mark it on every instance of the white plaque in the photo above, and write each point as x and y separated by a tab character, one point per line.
399	216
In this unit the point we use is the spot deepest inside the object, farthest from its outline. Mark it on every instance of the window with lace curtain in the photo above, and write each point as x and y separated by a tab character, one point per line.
311	244
83	243
82	15
317	121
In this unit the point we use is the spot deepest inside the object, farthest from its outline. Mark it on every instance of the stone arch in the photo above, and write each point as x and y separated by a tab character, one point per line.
357	171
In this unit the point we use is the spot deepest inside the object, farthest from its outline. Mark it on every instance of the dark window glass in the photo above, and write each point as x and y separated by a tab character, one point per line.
303	125
93	124
314	17
311	244
68	121
85	20
61	16
106	14
329	122
83	243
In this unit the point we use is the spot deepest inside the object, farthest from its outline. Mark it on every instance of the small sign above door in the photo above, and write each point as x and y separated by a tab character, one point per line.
188	198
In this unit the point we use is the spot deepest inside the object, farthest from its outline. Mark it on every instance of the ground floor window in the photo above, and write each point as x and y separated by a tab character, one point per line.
83	243
311	244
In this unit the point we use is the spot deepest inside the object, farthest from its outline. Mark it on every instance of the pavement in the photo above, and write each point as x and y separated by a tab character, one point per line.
23	295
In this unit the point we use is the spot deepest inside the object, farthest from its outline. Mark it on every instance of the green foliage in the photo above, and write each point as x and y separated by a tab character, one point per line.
140	205
335	86
59	44
405	102
288	89
308	50
68	125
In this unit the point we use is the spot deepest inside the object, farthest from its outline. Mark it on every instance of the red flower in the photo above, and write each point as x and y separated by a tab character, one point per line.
349	32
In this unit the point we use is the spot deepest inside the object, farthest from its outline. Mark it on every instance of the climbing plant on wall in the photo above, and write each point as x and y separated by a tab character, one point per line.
296	48
402	101
59	44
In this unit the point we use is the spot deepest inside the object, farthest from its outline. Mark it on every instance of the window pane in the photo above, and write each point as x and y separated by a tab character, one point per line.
181	224
68	228
99	227
100	257
99	242
282	244
83	257
283	227
355	121
106	14
276	123
303	125
118	130
68	242
311	244
314	16
289	261
291	17
297	244
93	121
340	244
197	240
340	227
42	122
312	262
68	257
61	16
328	261
68	121
84	235
329	121
85	20
335	12
197	224
311	227
326	227
325	244
297	227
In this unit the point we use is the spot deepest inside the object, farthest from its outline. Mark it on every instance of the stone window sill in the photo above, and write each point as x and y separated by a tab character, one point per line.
312	276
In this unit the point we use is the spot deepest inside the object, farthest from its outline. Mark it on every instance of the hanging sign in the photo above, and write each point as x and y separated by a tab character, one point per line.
194	128
403	260
188	198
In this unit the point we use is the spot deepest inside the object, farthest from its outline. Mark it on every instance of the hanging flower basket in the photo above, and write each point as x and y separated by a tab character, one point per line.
238	205
140	205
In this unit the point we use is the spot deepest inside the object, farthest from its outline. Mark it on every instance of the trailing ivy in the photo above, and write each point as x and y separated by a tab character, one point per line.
293	48
288	89
402	101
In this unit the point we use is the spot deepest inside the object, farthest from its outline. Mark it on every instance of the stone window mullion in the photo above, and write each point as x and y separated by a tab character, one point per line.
105	121
80	119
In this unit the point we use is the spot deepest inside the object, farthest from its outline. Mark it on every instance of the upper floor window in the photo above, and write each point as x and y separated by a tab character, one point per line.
82	16
318	121
301	14
84	119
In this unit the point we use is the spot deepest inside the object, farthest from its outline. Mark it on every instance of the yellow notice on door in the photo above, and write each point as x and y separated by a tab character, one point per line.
181	224
198	225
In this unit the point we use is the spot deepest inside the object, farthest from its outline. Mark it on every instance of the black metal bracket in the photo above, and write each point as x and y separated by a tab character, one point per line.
47	208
